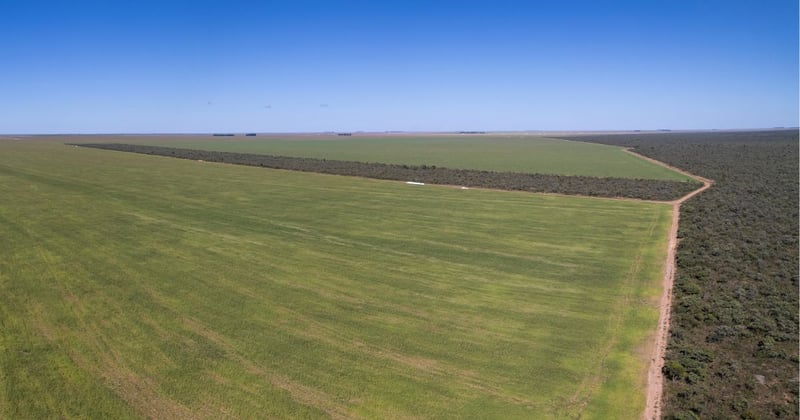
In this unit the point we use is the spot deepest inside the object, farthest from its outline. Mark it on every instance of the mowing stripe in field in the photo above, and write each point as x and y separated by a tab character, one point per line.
137	285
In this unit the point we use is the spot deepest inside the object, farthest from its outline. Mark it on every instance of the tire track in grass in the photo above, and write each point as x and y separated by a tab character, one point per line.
592	382
301	393
422	365
138	391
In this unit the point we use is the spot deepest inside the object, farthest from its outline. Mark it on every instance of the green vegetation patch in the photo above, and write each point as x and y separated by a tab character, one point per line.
147	286
492	153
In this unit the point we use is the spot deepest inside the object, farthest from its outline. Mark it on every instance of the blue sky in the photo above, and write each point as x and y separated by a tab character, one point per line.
206	66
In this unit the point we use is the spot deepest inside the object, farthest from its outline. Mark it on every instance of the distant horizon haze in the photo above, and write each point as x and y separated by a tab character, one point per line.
241	133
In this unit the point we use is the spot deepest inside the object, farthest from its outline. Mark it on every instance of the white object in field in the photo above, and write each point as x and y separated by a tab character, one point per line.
414	183
464	188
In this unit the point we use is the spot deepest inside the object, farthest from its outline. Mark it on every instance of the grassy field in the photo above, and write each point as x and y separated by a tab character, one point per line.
495	153
136	286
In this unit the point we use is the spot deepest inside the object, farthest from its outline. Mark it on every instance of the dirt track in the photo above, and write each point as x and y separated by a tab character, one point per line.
655	376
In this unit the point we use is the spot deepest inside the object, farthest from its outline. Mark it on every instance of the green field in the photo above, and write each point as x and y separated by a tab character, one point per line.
137	286
493	153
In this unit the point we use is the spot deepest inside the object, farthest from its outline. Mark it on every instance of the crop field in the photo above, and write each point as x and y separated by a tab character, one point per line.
527	154
136	286
733	349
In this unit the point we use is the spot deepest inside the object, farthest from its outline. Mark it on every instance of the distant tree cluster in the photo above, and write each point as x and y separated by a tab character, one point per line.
733	349
430	174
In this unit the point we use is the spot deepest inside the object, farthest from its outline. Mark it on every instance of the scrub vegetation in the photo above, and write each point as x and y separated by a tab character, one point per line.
733	350
138	286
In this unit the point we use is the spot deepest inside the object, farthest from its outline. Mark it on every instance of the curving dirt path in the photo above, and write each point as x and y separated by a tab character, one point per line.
655	376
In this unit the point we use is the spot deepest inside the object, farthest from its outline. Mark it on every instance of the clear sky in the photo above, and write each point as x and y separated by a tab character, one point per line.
76	66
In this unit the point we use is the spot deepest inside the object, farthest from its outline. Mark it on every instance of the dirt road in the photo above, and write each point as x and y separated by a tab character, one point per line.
655	376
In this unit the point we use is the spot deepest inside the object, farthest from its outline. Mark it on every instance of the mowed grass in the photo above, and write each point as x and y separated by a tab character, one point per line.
494	153
136	286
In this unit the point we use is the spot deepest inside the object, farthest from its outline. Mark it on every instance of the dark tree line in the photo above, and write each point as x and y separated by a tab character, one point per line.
572	185
733	349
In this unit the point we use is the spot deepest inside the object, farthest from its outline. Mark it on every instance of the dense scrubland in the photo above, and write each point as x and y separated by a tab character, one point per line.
140	286
647	189
733	349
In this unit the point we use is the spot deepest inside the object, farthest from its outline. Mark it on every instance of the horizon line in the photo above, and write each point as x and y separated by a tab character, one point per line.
384	132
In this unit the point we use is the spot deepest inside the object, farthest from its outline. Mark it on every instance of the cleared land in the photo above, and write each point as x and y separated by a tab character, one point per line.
136	285
642	189
526	154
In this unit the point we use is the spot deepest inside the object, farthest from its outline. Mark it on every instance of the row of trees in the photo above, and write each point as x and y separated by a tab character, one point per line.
573	185
733	349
